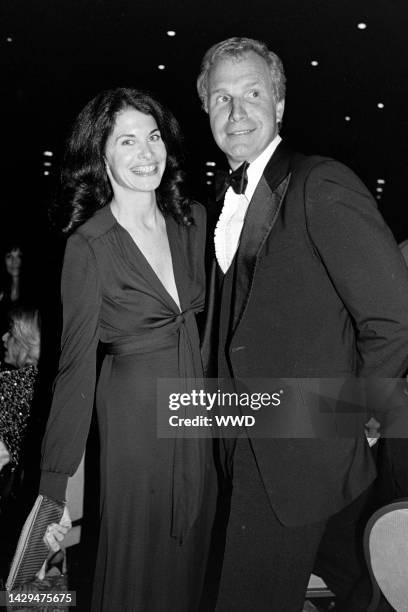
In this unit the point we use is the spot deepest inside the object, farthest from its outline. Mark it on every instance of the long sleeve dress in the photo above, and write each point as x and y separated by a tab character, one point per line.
157	494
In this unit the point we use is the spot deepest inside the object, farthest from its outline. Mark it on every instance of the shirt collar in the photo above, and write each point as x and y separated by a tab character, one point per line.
256	168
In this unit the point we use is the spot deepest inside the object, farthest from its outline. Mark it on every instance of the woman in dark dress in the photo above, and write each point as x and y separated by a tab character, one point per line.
132	281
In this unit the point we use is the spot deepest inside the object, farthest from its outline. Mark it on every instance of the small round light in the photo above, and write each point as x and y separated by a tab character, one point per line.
362	26
347	118
380	105
379	189
209	173
46	173
381	181
48	153
210	163
170	33
9	39
161	66
314	63
47	164
209	182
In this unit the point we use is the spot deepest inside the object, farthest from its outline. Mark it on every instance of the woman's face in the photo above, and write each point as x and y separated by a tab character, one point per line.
13	261
135	153
12	348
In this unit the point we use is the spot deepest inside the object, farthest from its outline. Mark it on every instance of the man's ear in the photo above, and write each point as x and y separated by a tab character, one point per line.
280	108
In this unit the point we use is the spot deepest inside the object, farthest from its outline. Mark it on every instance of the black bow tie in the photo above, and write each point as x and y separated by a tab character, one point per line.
238	180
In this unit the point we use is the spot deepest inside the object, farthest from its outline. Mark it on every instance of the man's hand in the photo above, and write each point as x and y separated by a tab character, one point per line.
57	531
4	455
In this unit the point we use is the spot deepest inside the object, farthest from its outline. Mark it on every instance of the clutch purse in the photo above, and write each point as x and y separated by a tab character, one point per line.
31	551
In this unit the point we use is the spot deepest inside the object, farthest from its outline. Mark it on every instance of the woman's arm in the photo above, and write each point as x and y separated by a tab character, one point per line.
74	387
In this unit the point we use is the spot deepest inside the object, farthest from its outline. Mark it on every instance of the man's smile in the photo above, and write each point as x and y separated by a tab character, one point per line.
241	132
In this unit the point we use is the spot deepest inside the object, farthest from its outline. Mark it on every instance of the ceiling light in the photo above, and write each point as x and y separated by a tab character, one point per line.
170	33
381	181
362	26
9	39
46	173
48	153
209	182
380	105
161	66
210	163
379	189
347	118
314	63
209	173
47	164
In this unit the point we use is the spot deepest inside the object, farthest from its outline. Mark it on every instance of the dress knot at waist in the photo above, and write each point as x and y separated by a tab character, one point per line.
189	454
159	338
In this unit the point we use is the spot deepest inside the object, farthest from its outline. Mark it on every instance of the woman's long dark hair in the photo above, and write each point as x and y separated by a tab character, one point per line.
85	186
5	277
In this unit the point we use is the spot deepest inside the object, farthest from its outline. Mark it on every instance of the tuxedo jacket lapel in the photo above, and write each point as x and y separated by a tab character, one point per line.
262	213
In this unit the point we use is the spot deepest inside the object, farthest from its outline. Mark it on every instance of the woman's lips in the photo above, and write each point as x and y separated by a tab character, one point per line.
145	170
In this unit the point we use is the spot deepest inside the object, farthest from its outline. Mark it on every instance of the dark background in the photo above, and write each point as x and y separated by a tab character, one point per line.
63	52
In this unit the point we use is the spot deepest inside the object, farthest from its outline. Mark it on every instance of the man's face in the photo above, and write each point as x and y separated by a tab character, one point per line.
242	108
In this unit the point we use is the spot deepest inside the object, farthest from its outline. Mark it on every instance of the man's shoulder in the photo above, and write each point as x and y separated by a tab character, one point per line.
302	163
287	161
321	163
318	170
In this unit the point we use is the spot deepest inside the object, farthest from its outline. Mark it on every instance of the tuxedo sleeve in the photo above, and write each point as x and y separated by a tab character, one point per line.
74	387
364	264
370	276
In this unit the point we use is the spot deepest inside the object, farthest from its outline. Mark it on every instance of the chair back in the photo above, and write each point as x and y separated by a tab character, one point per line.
386	551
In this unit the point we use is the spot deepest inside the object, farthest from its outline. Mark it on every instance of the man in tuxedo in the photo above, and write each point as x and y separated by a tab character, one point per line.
307	282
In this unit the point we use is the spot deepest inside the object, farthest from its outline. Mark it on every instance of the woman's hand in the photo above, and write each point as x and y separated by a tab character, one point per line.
4	455
57	531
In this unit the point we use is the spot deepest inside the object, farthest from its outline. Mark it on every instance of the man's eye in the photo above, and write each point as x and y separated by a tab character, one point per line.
222	99
254	93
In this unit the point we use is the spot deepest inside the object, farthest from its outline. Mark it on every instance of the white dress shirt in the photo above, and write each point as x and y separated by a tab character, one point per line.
229	227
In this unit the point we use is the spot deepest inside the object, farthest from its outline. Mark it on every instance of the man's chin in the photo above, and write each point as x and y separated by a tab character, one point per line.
235	159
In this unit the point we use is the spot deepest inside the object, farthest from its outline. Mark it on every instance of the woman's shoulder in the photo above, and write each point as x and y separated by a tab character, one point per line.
82	239
100	223
198	213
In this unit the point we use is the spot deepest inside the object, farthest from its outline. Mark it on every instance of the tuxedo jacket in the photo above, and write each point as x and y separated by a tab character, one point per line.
317	289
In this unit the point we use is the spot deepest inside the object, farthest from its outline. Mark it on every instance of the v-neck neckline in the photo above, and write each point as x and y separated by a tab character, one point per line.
154	276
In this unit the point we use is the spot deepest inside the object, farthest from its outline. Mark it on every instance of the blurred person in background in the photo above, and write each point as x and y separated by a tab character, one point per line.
10	280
